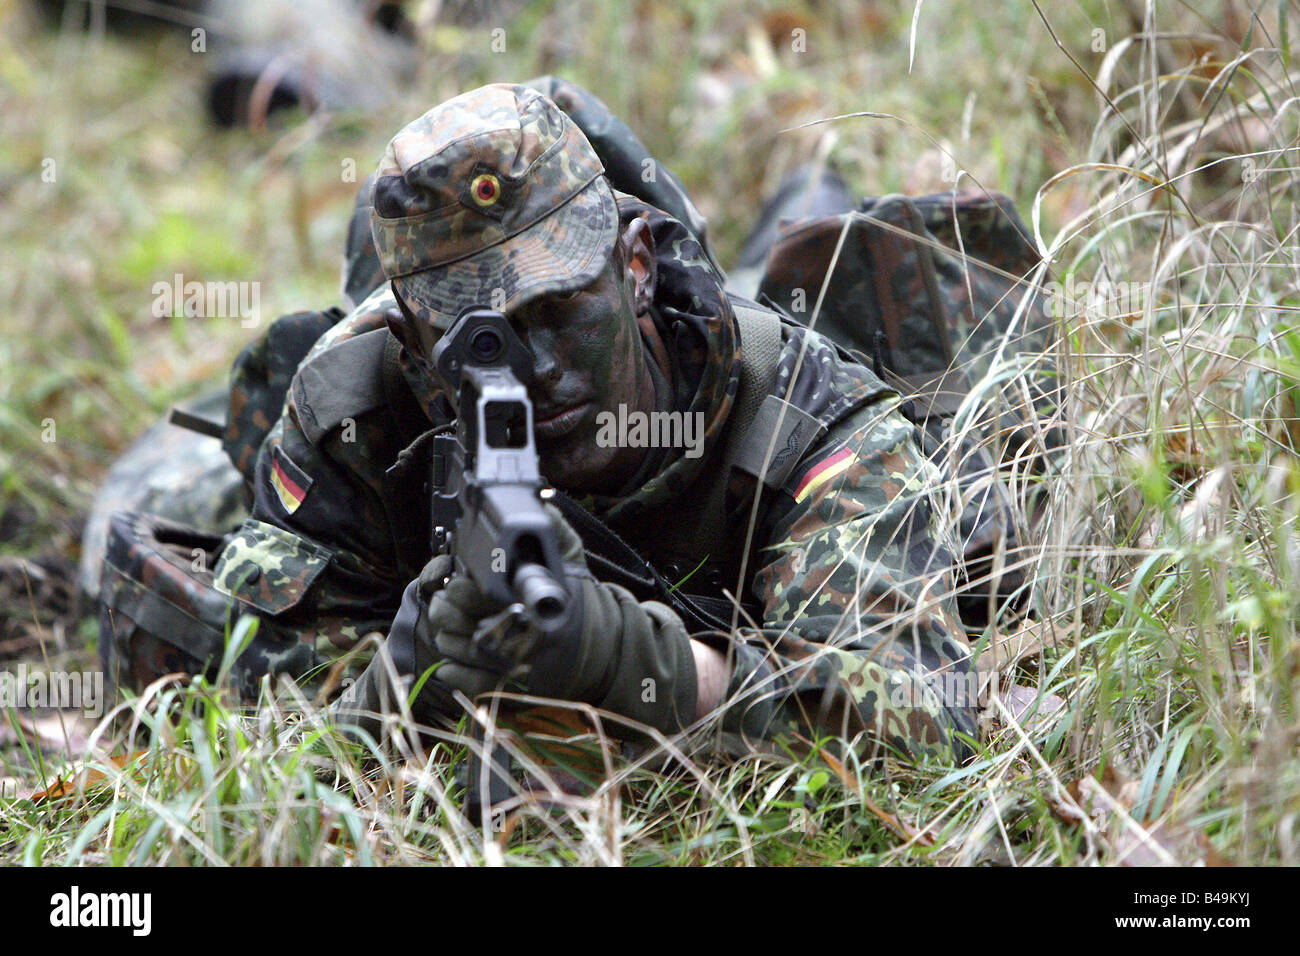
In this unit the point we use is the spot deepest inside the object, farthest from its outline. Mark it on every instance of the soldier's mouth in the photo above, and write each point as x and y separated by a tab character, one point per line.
559	423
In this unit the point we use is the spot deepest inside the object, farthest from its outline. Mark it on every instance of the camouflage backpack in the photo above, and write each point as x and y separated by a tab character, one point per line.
927	288
936	294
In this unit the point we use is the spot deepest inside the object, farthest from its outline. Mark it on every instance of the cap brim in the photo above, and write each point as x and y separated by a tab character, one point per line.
561	253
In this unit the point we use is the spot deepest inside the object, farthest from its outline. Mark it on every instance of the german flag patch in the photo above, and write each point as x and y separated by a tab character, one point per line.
289	482
825	470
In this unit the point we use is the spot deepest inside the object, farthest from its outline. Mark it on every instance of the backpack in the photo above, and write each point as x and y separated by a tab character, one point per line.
936	294
902	298
154	543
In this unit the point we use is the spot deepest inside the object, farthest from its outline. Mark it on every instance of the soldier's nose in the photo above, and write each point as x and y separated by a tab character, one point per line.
546	366
547	372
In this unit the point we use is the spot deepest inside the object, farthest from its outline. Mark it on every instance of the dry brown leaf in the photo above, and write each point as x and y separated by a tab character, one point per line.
994	667
82	778
1290	416
551	721
68	731
1186	459
1097	799
1163	844
779	25
1108	803
1019	704
1006	652
1029	710
547	731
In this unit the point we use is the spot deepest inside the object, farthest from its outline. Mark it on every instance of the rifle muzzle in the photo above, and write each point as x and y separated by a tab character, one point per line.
543	596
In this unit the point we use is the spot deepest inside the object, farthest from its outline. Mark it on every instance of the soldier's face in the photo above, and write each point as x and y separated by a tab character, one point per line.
588	358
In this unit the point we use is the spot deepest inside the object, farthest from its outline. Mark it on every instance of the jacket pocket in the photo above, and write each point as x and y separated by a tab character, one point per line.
269	568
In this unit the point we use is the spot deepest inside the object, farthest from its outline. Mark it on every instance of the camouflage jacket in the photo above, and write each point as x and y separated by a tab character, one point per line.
848	573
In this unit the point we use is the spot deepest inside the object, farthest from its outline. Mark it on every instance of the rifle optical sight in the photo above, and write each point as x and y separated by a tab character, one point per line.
486	345
483	338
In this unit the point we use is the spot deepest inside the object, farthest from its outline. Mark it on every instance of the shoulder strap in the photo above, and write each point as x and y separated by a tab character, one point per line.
760	349
700	525
343	380
701	528
767	435
402	404
395	387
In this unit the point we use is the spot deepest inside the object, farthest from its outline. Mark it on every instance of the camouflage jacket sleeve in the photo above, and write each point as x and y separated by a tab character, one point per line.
861	637
331	541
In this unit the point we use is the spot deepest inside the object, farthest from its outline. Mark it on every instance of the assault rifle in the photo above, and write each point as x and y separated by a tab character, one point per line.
487	495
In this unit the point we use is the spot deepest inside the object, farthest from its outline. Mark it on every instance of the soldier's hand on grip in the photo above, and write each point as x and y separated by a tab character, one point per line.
626	657
486	644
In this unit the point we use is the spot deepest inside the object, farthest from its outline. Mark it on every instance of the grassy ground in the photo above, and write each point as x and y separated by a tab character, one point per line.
1154	149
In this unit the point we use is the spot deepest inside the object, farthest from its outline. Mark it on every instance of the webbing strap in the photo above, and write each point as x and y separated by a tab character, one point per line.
391	372
196	423
769	436
760	348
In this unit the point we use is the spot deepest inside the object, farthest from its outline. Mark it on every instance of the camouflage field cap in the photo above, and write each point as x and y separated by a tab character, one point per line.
494	197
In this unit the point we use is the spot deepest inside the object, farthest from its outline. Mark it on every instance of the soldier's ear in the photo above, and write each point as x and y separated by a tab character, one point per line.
639	249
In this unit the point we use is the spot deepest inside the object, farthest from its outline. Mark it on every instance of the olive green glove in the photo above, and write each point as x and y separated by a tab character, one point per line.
627	657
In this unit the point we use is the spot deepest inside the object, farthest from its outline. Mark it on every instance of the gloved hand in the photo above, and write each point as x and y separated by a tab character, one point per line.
388	679
627	657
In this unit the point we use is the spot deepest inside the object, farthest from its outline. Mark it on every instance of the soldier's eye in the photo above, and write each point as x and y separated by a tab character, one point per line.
567	296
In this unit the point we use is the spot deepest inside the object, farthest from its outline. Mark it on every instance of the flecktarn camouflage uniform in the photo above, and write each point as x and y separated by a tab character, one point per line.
850	572
849	622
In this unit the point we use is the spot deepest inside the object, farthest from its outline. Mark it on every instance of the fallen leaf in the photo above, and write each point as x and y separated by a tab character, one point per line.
1030	709
81	778
1005	652
1034	711
68	731
1162	844
551	721
1097	799
1108	803
556	735
1184	455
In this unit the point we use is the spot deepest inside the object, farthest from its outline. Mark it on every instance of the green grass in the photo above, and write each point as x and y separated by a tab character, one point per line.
1169	551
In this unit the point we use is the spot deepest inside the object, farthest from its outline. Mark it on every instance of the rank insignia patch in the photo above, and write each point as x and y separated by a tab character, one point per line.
290	482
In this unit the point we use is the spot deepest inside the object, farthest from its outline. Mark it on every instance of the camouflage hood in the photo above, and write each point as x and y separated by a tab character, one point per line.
698	329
